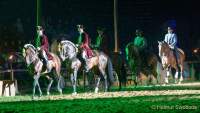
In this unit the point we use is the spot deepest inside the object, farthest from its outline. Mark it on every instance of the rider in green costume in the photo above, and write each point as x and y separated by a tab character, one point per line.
139	42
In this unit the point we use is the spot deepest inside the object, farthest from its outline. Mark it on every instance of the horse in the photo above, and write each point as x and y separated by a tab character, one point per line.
68	51
102	61
141	64
169	60
31	56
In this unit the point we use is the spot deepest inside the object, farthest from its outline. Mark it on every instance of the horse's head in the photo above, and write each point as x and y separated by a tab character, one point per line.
30	53
67	50
164	48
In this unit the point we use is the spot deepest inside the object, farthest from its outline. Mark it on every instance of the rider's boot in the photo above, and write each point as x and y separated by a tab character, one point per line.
47	61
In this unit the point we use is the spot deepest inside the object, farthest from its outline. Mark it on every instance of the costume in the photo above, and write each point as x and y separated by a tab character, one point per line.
86	43
45	46
98	42
171	40
140	43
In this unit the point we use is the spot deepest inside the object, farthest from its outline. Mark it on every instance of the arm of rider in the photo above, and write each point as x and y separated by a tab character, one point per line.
126	51
144	43
166	38
174	41
38	48
171	46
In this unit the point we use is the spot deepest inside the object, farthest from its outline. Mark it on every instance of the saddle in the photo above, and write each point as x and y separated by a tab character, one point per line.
178	52
50	57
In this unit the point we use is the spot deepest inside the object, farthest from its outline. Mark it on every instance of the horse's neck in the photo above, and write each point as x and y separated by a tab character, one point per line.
37	60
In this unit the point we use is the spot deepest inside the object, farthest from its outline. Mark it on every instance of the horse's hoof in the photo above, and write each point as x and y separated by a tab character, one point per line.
181	79
33	97
96	90
166	81
61	93
74	93
40	95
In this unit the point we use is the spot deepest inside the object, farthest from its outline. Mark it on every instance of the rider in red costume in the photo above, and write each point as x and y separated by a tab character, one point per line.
44	47
86	41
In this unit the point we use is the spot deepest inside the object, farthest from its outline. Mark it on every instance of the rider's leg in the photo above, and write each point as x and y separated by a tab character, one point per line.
46	60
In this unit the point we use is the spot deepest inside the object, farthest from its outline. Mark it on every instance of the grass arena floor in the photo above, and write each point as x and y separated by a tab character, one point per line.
141	99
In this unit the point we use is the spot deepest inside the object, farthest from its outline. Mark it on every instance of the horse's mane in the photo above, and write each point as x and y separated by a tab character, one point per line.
165	43
26	46
29	45
69	42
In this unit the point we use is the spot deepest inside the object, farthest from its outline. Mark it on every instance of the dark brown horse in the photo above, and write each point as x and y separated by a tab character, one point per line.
145	64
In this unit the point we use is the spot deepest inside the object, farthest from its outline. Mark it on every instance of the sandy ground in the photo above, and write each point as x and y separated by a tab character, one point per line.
110	94
124	94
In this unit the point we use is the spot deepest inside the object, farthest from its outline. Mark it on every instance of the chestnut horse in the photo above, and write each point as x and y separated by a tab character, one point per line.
169	60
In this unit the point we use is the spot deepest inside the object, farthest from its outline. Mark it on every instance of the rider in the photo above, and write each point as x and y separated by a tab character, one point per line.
139	42
43	46
84	41
101	42
171	40
99	38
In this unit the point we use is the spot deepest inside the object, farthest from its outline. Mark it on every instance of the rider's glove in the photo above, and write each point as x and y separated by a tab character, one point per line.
38	48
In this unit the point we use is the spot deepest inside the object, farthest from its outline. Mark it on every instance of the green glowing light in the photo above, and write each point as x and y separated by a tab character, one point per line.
38	12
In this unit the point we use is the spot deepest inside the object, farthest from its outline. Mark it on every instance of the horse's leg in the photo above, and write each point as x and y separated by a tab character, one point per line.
58	85
34	85
176	75
50	83
181	73
74	80
73	83
97	85
35	82
105	78
167	75
58	67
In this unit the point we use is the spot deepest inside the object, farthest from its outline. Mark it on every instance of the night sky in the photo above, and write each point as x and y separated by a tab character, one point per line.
59	17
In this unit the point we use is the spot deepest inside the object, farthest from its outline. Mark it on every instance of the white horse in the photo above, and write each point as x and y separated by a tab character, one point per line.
30	54
69	51
101	60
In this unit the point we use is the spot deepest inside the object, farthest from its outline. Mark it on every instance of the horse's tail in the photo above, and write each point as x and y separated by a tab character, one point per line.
57	67
62	82
110	71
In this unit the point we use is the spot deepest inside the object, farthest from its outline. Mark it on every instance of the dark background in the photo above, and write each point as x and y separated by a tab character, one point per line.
59	17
